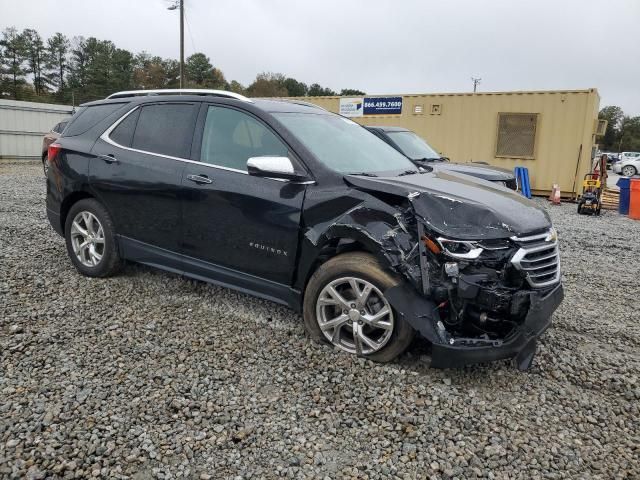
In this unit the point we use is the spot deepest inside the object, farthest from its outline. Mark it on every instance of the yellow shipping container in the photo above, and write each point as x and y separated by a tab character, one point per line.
552	133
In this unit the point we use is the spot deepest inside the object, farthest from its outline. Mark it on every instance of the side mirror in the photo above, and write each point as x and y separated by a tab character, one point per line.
273	167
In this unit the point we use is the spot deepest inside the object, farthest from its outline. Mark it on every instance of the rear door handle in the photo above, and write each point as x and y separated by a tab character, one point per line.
199	179
108	159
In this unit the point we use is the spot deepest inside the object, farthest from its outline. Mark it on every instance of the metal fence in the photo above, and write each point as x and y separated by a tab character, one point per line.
22	125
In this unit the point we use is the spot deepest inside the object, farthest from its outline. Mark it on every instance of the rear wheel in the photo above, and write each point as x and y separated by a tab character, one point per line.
90	239
45	165
629	171
344	305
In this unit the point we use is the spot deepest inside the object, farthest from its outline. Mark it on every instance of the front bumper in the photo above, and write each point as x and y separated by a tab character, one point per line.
520	345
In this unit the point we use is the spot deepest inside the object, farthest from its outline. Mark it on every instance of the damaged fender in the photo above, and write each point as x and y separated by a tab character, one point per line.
388	232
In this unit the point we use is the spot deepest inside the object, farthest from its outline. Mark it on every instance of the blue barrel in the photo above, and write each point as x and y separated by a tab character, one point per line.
625	195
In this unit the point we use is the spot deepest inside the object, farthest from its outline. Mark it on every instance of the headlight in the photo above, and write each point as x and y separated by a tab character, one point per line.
552	236
460	249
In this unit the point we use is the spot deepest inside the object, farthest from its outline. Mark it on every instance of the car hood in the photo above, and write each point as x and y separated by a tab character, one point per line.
460	206
486	172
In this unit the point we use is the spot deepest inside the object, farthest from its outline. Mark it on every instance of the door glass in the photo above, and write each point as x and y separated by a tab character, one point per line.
166	128
231	137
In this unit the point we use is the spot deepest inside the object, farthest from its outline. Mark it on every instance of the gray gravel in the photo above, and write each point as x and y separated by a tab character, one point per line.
148	375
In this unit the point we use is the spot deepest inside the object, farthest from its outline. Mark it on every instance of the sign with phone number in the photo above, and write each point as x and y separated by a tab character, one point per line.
382	106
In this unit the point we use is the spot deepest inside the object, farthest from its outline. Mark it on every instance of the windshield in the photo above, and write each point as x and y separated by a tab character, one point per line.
413	146
343	145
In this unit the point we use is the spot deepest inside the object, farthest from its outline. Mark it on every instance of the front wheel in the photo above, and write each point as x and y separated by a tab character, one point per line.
629	170
344	305
90	239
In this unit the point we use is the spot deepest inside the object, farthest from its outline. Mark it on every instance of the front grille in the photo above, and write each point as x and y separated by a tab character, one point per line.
538	258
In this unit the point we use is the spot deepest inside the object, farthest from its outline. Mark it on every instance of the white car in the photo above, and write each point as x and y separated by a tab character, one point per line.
628	165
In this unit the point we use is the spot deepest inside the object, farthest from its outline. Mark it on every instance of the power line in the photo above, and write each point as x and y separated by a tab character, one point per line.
190	30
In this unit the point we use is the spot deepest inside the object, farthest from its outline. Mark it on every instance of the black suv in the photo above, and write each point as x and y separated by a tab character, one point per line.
291	203
423	155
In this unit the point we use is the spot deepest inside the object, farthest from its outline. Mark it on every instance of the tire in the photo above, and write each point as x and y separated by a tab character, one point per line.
102	234
629	171
580	208
365	269
45	165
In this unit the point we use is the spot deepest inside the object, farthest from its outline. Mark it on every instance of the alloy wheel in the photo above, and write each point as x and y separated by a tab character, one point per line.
628	171
45	166
354	316
87	239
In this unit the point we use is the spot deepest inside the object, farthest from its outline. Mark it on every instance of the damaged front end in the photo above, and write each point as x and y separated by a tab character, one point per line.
480	264
483	300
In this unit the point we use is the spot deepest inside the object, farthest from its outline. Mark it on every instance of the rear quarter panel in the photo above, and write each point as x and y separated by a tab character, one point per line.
67	175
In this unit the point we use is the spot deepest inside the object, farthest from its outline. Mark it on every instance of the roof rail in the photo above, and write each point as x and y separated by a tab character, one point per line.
292	100
179	91
306	104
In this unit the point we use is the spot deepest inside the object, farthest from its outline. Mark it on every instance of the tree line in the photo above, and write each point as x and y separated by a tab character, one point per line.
623	131
63	70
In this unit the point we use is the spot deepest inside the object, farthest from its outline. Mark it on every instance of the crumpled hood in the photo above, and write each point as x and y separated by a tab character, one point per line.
486	172
461	207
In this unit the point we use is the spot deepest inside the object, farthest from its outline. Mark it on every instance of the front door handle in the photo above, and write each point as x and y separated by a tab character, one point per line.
108	159
199	179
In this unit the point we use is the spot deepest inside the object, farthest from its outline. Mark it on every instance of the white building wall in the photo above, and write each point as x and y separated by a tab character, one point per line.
23	124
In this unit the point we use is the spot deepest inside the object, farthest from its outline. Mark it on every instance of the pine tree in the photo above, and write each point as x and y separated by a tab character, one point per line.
13	60
35	53
57	63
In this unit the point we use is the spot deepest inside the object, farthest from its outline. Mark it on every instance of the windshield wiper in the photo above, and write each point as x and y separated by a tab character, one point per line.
408	172
363	174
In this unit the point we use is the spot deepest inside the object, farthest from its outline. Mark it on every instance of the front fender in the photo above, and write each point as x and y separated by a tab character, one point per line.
381	231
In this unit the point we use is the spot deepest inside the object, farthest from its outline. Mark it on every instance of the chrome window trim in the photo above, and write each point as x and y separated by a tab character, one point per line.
105	137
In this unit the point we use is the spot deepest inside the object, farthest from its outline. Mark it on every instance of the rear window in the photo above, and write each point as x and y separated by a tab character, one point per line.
165	128
413	146
59	127
89	117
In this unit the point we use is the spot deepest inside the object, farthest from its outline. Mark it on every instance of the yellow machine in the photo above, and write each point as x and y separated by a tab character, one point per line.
590	200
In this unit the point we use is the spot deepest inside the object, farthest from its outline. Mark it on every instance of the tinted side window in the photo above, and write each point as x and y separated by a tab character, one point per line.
231	137
89	117
123	133
165	128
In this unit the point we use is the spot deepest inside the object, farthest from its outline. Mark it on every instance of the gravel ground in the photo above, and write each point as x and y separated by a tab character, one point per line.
149	375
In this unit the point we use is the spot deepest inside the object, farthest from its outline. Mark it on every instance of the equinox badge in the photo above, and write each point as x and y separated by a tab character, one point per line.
266	248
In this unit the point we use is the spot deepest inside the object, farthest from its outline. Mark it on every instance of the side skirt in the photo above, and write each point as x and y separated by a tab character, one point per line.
190	267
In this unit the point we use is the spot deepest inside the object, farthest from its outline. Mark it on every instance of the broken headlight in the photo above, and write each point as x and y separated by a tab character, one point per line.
461	249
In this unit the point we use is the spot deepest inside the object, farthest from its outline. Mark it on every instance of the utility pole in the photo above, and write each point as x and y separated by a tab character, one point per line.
475	81
179	4
181	43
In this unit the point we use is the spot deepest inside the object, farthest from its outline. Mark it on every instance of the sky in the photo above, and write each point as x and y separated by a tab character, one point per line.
379	46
